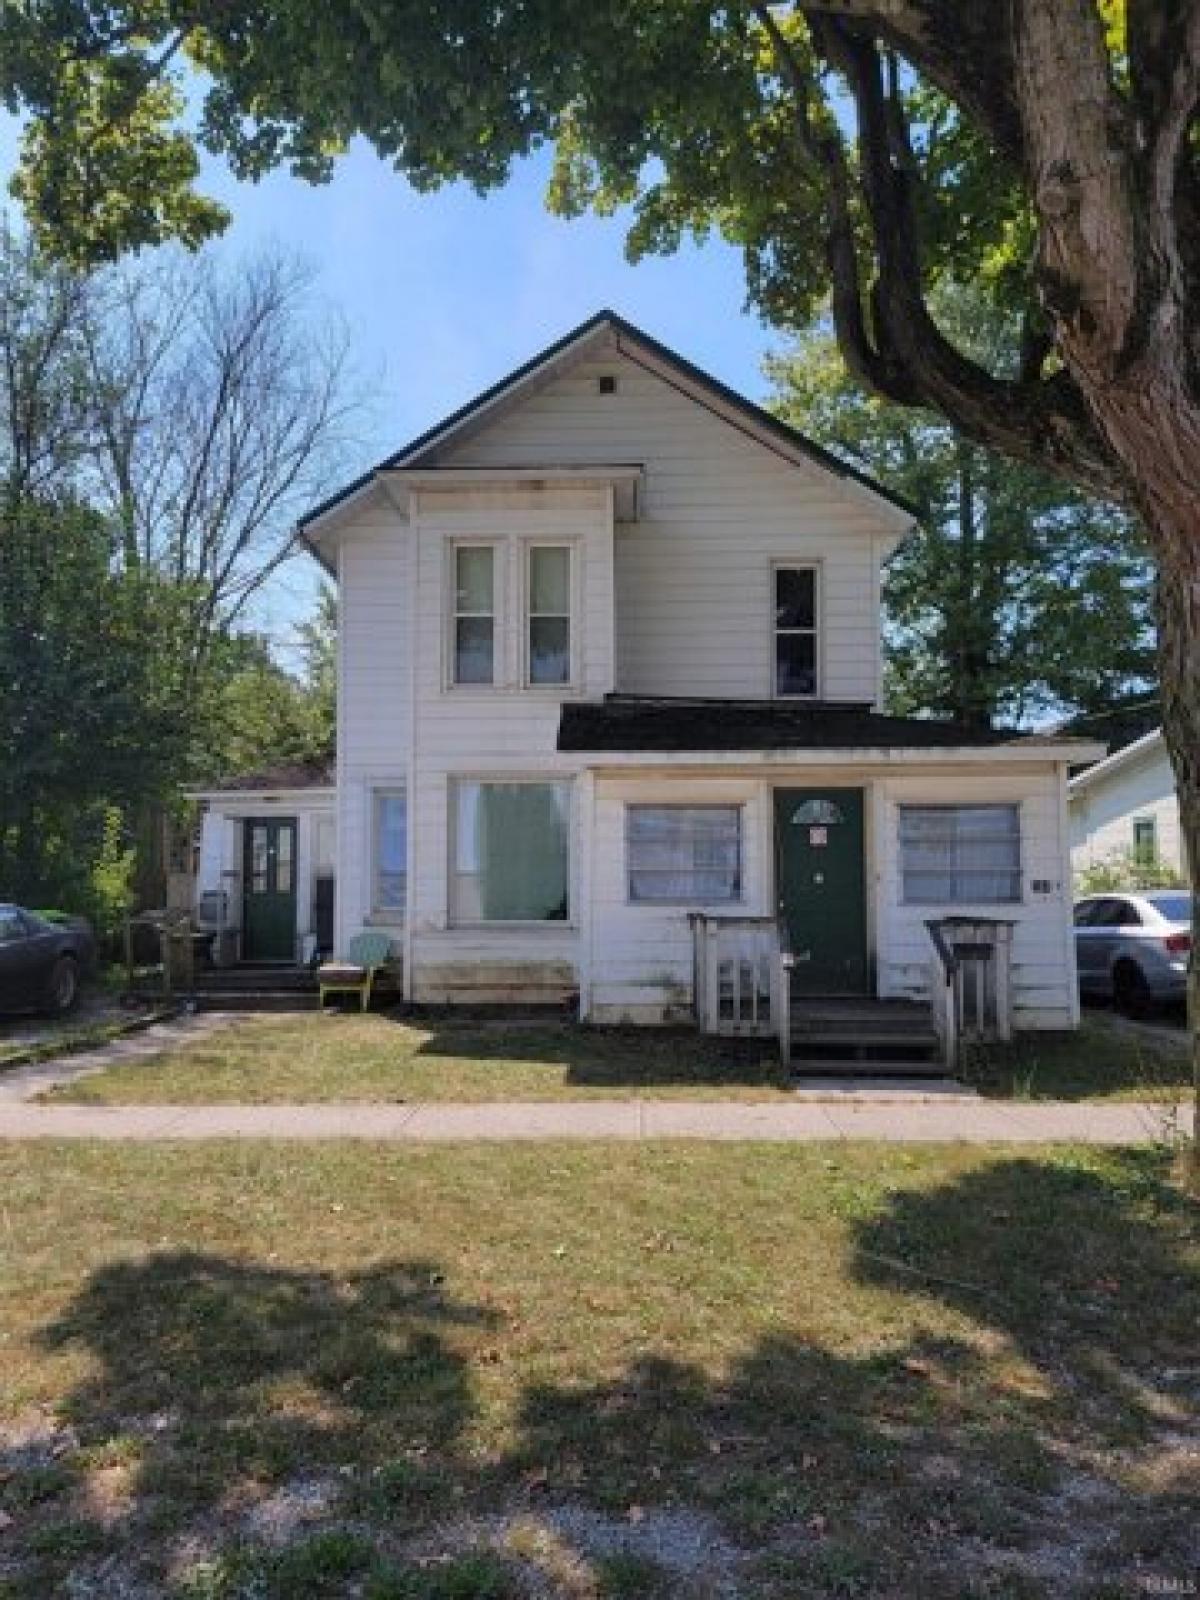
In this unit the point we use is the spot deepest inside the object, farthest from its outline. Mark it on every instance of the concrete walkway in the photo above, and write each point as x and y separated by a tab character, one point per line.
959	1121
23	1083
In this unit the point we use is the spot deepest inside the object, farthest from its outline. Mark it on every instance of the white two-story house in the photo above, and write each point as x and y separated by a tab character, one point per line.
609	656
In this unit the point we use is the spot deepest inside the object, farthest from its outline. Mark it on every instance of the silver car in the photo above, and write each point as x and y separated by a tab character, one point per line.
1134	948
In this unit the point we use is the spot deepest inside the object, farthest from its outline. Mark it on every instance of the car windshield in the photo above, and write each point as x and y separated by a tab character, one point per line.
1175	907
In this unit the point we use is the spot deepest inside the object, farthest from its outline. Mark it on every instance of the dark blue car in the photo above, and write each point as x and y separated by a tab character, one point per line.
41	962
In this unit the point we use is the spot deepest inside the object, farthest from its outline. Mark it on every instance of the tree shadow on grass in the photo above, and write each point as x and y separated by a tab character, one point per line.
1045	1319
615	1058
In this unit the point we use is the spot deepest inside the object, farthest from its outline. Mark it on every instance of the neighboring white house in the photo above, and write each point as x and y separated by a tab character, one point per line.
609	655
1125	807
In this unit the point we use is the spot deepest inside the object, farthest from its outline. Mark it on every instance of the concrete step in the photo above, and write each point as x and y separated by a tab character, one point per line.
840	1067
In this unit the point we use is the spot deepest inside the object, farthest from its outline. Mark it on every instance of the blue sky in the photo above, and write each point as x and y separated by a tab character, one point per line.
443	294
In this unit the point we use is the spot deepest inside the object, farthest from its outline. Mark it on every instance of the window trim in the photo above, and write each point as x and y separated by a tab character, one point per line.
1142	857
565	924
696	901
817	568
1018	811
377	913
498	615
574	611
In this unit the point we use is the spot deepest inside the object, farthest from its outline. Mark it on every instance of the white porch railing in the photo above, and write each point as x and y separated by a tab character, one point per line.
970	982
741	978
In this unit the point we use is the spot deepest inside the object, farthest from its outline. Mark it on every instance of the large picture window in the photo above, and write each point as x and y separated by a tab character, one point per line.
389	852
474	613
549	620
960	855
796	651
684	855
510	854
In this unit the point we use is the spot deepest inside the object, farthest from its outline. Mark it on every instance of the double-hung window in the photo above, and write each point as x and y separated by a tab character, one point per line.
1145	841
548	620
960	855
509	852
474	620
797	652
389	852
684	855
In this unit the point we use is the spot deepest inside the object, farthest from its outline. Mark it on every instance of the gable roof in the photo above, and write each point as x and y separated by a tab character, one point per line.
420	451
1151	743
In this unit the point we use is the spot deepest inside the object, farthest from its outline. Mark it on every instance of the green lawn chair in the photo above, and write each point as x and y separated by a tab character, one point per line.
366	954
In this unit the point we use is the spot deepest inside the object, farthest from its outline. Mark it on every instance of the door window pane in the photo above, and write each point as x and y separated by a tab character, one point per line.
474	614
684	855
796	631
390	832
510	860
283	860
960	855
258	859
549	614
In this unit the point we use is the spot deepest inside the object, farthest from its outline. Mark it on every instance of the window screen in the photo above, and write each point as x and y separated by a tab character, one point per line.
960	855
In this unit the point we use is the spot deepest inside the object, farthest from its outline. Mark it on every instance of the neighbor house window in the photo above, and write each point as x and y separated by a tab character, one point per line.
795	631
549	619
389	851
1145	841
684	855
474	613
509	852
960	855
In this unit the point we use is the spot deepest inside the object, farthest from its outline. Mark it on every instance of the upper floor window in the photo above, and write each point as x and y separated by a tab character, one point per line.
796	626
474	613
548	592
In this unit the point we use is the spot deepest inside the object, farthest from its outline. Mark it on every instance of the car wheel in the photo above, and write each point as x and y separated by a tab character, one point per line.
63	989
1130	990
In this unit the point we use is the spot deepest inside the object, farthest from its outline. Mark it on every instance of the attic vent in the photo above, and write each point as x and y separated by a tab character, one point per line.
606	383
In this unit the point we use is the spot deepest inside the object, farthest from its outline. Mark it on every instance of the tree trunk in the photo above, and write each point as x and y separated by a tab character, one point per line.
1179	669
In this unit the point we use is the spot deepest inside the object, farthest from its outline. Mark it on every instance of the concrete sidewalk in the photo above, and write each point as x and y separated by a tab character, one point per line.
960	1121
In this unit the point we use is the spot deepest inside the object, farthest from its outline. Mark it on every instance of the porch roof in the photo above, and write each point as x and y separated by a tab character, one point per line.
636	725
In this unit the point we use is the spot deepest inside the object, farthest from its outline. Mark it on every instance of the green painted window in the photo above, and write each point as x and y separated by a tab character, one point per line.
1145	841
510	852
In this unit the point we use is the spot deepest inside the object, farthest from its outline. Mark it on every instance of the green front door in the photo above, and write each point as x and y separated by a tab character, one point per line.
821	886
269	932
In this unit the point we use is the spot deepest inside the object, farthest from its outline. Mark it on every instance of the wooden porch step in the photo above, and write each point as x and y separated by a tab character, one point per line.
840	1067
918	1037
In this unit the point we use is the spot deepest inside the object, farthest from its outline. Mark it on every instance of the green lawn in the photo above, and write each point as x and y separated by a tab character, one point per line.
315	1058
684	1372
310	1057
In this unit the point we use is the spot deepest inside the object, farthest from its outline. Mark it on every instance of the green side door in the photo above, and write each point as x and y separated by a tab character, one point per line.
821	879
269	928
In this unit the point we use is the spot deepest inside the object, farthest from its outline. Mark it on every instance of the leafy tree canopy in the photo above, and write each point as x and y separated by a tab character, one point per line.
1021	597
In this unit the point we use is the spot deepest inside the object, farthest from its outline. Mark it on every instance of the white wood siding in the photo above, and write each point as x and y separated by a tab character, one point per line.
693	577
374	686
640	957
1103	814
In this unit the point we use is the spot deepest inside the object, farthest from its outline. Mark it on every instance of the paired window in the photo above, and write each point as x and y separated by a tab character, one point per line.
796	651
477	621
510	852
684	855
1145	841
475	613
960	855
389	853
